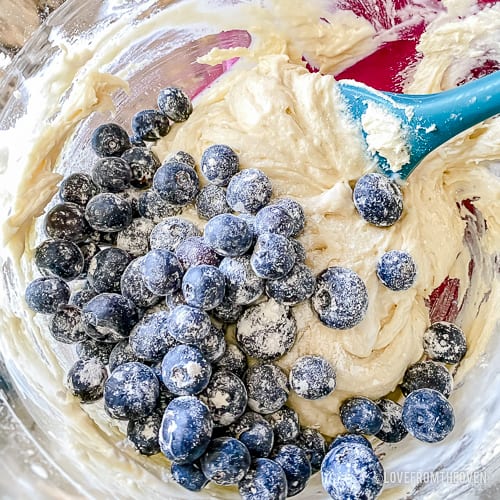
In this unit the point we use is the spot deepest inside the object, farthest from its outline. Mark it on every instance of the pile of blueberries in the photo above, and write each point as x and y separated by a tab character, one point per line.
147	297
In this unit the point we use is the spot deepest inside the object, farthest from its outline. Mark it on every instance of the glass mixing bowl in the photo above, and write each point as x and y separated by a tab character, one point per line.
51	446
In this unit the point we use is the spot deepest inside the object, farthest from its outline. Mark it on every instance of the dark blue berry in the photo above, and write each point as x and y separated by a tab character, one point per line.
77	188
273	256
110	139
86	379
228	235
88	249
177	183
106	269
213	345
162	272
188	324
135	140
219	163
233	360
143	164
152	206
243	286
312	377
66	221
266	331
183	157
285	424
255	433
249	190
340	299
59	258
174	103
168	234
122	353
293	288
392	430
397	270
361	415
295	211
267	388
295	465
185	430
150	125
274	219
133	287
350	438
427	415
91	348
445	342
227	312
189	476
211	201
250	220
46	295
313	443
131	391
378	199
112	174
134	239
66	325
143	433
427	375
203	286
108	212
194	251
265	480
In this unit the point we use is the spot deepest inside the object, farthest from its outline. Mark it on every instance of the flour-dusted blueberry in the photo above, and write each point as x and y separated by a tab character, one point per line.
110	139
188	324
185	430
266	331
112	175
265	480
66	221
150	124
46	295
445	342
352	470
392	430
249	190
109	317
143	164
226	461
378	199
66	325
300	251
211	201
177	183
274	219
312	377
348	438
152	206
293	288
397	270
341	298
77	188
250	220
134	239
88	249
162	272
91	348
226	397
314	444
185	371
294	209
219	163
149	339
255	432
203	286
285	424
122	353
189	476
133	286
228	312
427	415
233	360
243	286
267	388
168	234
59	258
213	345
228	235
174	103
361	415
143	433
427	375
106	269
295	465
182	157
86	379
137	141
108	213
194	251
273	256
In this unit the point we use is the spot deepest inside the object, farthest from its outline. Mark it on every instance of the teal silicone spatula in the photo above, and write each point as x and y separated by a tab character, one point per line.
426	121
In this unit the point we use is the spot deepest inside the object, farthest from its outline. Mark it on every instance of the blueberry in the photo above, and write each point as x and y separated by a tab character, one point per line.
174	299
313	443
109	317
249	190
66	221
227	311
162	272
265	480
392	430
233	360
188	324
361	415
213	345
250	220
299	250
108	212
143	164
137	141
203	286
183	157
294	288
194	251
88	249
228	235
91	348
295	465
110	139
122	353
274	219
176	183
59	258
285	424
211	201
312	377
134	239
106	268
243	286
267	388
397	270
150	125
255	433
77	188
168	234
152	206
174	103
378	199
226	461
185	430
340	299
427	415
444	341
295	211
189	476
219	163
266	331
348	438
112	174
86	379
352	470
149	339
66	325
143	433
428	375
273	256
226	398
46	295
133	286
